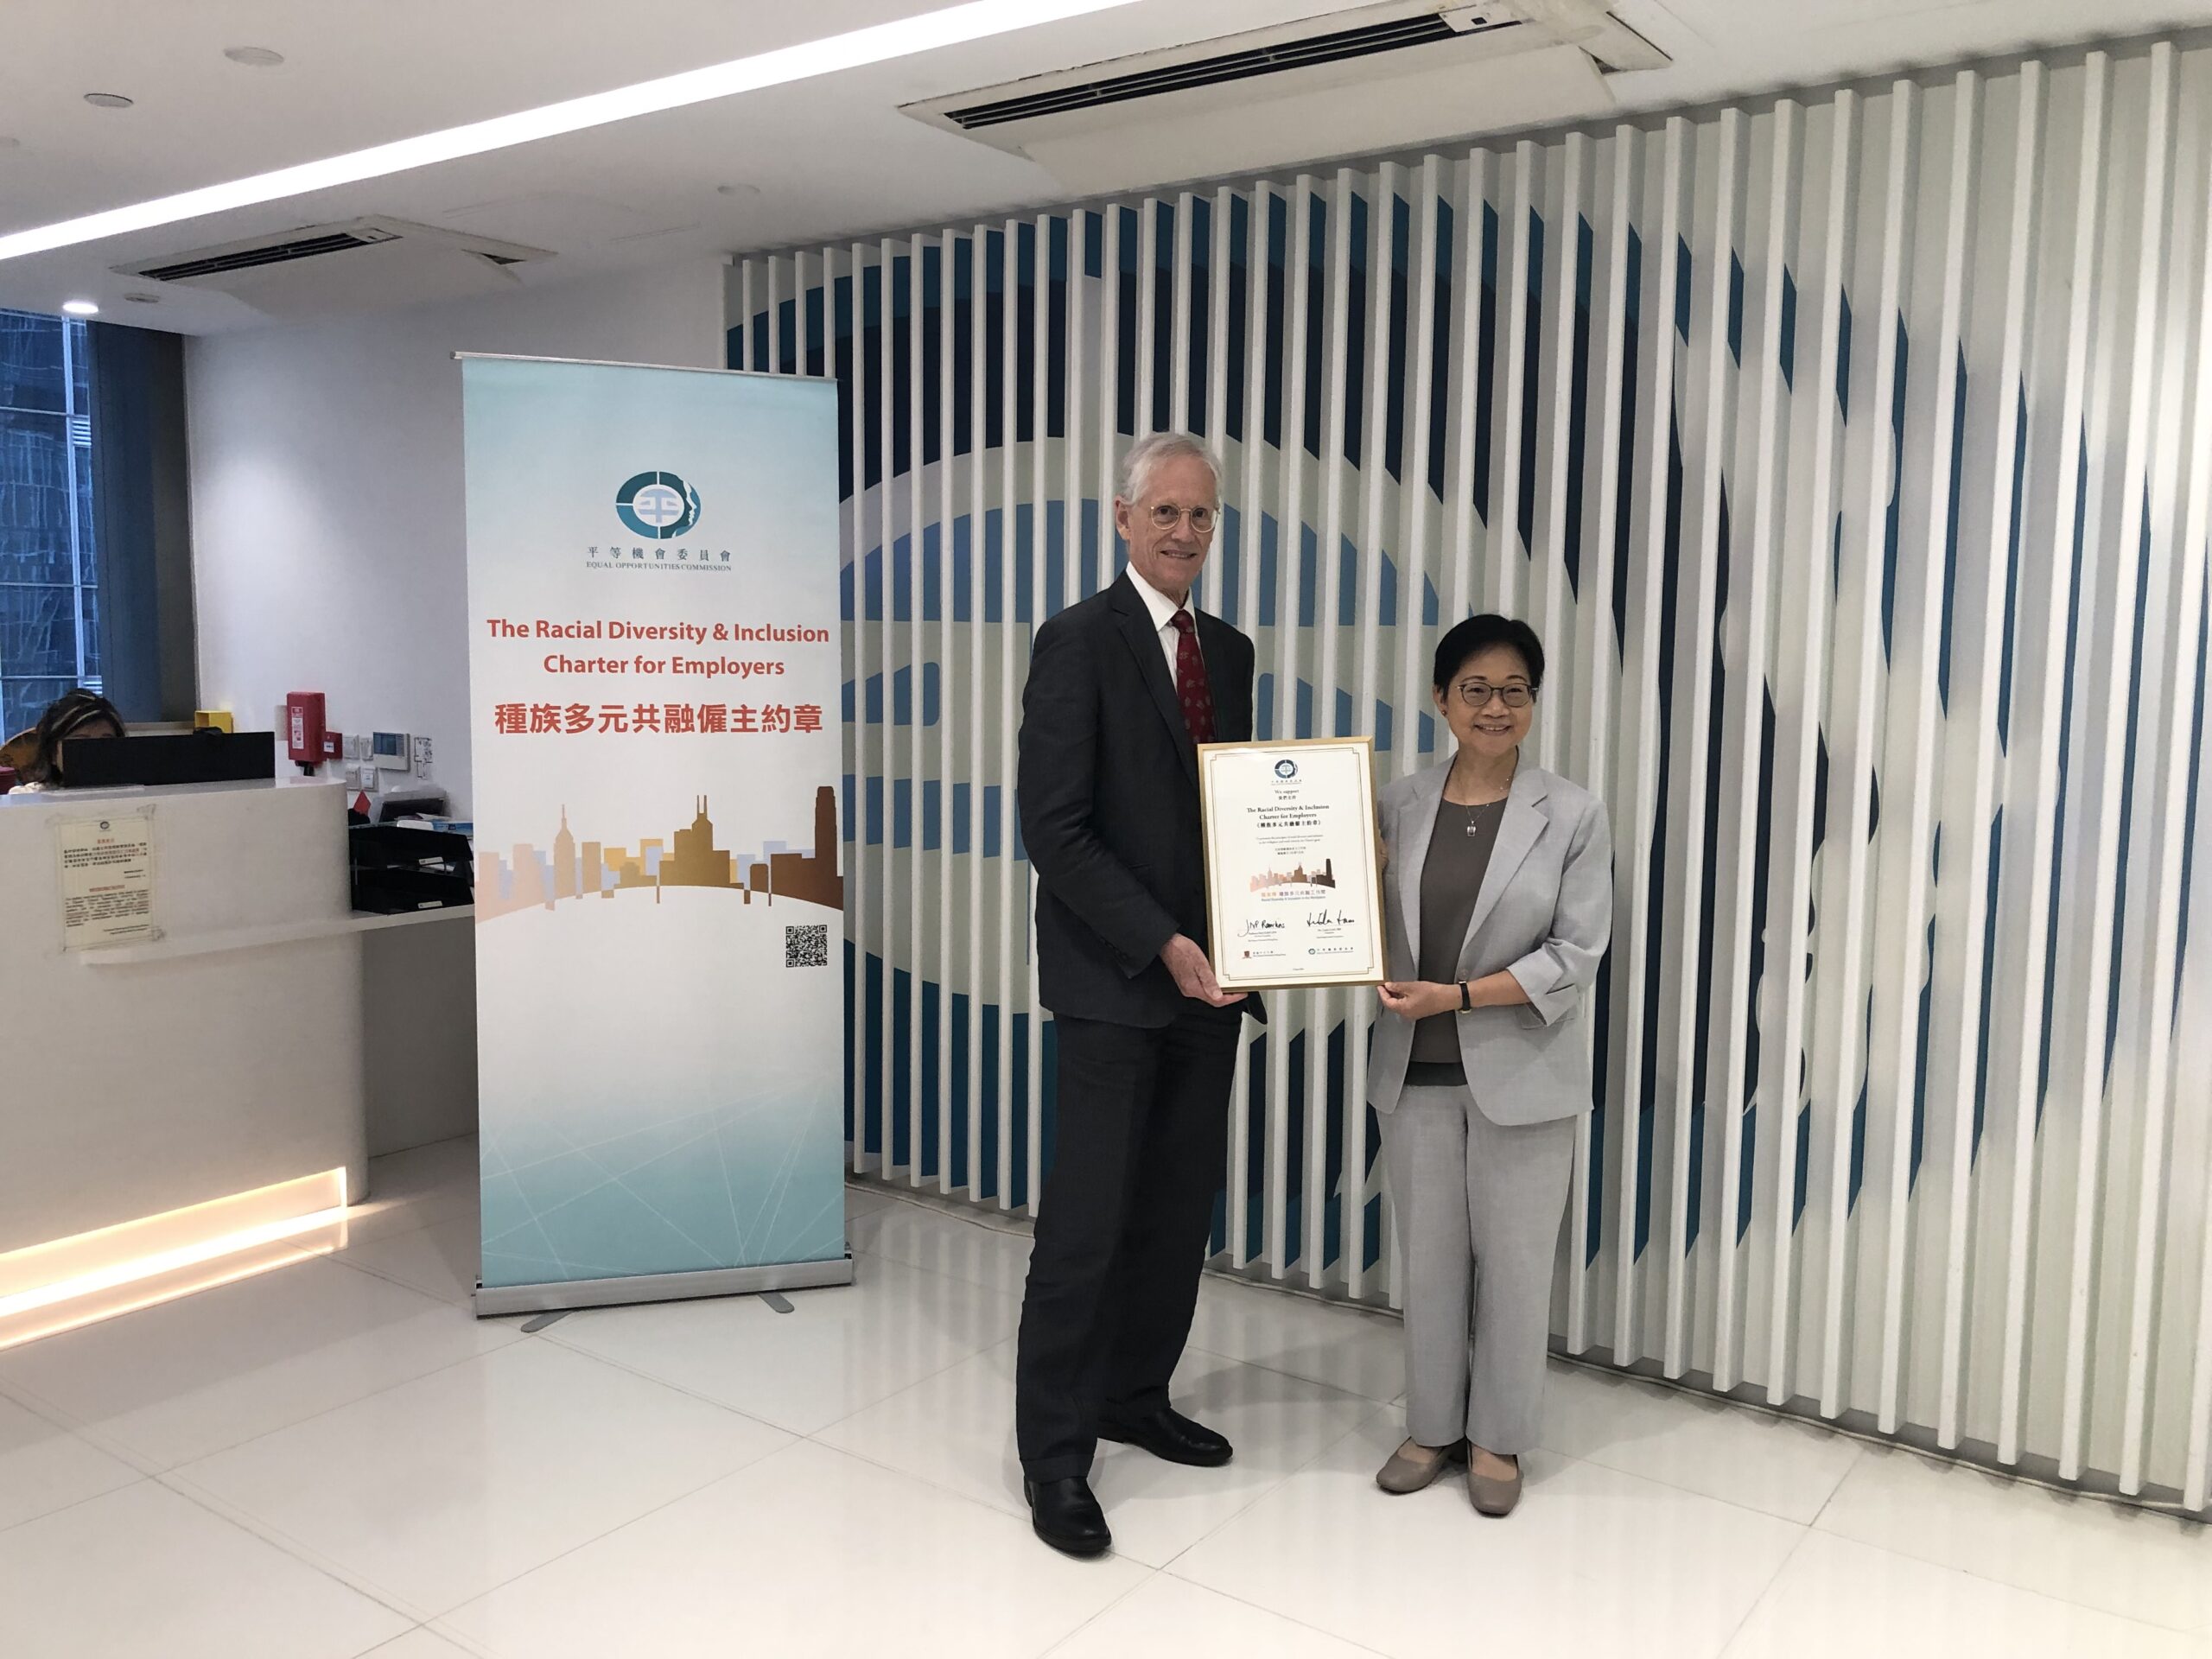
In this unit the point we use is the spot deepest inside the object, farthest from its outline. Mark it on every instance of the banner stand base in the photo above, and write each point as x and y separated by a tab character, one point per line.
494	1300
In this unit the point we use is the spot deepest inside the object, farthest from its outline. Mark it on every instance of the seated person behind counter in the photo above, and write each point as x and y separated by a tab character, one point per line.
74	714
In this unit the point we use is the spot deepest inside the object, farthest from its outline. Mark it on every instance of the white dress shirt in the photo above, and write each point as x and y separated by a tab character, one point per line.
1163	611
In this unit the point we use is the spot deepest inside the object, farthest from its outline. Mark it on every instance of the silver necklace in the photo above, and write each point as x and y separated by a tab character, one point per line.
1475	825
1478	817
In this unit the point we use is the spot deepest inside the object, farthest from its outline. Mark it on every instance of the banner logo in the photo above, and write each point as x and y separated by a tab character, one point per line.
1285	769
659	504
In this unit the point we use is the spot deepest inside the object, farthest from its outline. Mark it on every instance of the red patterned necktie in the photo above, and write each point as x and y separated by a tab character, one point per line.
1191	679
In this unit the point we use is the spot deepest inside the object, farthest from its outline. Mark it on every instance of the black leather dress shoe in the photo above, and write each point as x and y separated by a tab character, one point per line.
1168	1434
1067	1517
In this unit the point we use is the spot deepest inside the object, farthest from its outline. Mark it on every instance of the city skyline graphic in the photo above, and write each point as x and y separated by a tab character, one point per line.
531	879
1297	877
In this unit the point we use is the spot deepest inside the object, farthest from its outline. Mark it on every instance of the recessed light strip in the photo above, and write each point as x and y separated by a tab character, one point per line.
879	44
41	1276
147	1267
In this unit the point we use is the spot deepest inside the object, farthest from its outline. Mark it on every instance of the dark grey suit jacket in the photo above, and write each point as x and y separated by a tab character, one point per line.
1108	781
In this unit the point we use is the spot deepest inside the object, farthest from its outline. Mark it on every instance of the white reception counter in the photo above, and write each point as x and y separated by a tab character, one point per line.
171	1099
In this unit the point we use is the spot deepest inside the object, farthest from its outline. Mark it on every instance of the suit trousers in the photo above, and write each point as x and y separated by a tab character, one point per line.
1478	1207
1140	1135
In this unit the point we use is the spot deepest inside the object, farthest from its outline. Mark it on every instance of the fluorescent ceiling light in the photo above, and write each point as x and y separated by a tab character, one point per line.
80	307
978	20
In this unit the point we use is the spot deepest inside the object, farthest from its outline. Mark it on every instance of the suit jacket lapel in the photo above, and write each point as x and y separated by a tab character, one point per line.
1517	833
1144	640
1416	825
1209	645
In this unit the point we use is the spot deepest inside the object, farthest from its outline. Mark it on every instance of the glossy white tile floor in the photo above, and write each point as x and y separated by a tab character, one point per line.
335	1459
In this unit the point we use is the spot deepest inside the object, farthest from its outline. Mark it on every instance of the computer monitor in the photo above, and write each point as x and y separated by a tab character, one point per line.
205	757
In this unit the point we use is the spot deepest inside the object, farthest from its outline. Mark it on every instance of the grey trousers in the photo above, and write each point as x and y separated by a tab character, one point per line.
1479	1209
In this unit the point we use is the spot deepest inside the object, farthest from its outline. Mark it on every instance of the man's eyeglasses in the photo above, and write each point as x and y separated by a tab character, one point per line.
1476	694
1165	518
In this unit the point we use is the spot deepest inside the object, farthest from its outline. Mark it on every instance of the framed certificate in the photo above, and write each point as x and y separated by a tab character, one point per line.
1293	868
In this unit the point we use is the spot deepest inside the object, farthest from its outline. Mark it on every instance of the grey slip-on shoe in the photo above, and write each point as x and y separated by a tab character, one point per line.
1403	1473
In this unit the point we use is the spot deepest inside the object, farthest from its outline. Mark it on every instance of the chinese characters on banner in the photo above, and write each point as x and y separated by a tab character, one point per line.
672	719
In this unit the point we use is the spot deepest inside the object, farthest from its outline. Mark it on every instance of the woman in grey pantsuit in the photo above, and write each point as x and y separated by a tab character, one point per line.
1499	904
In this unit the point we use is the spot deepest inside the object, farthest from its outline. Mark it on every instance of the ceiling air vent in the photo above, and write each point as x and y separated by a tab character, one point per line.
329	269
1338	45
274	253
1358	80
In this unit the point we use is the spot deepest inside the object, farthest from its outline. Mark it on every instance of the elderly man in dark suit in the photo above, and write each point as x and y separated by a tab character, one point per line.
1122	687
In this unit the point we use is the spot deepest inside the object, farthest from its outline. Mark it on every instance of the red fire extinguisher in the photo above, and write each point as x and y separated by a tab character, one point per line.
303	729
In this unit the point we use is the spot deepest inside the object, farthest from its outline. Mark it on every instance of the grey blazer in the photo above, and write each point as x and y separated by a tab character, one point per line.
1544	915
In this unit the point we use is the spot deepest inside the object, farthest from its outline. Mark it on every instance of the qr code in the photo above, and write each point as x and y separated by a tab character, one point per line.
807	947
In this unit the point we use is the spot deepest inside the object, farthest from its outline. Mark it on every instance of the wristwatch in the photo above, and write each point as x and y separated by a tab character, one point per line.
1467	996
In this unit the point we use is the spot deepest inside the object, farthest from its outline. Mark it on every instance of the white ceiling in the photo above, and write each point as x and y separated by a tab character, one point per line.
792	165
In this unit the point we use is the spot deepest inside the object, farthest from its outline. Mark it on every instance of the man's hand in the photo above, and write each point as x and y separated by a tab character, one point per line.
1194	974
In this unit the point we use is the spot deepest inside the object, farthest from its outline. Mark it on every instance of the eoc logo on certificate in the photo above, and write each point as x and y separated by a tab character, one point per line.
1293	878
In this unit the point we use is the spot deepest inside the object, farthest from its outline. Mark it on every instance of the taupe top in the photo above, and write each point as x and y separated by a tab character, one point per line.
1459	857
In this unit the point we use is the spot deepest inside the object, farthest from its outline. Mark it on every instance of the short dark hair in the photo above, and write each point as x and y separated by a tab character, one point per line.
1477	634
66	716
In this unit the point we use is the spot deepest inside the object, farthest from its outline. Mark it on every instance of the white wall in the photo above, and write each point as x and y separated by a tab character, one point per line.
326	493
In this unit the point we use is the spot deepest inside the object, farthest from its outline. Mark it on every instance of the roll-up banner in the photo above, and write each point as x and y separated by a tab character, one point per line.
655	696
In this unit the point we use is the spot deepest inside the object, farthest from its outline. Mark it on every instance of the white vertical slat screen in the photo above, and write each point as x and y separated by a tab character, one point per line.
1690	737
2167	1063
1854	719
1634	802
2115	707
1973	754
946	872
1849	453
1374	503
1278	664
887	913
1251	476
1808	600
1466	393
976	661
1011	945
1901	965
1109	359
843	358
2163	801
1596	667
1766	412
1335	395
1033	1051
912	571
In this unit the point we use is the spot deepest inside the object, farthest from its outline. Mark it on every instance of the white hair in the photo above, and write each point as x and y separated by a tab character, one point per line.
1147	453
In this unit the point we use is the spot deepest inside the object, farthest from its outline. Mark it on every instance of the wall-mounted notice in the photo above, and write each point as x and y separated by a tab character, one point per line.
107	880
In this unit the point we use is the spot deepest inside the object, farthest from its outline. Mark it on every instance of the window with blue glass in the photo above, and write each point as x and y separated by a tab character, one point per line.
49	592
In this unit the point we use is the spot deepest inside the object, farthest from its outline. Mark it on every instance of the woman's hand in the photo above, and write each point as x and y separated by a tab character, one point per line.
1413	999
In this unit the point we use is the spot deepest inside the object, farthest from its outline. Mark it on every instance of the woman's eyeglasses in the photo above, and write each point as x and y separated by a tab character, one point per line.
1477	694
1165	518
